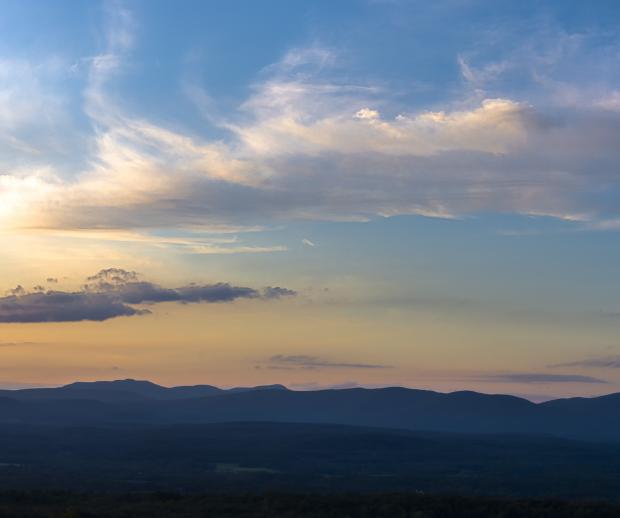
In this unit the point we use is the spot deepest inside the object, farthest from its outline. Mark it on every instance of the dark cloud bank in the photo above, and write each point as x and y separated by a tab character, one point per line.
114	293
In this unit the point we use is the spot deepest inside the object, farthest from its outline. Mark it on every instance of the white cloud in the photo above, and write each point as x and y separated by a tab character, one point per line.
367	113
305	145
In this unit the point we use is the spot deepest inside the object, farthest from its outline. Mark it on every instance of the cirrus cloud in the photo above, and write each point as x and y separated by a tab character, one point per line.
306	144
601	362
537	377
306	362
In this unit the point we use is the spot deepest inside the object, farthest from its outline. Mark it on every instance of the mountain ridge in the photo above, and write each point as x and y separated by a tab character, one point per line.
140	402
130	385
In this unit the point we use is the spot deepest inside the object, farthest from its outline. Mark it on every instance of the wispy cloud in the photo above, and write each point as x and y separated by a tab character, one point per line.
305	362
535	377
306	143
601	362
218	242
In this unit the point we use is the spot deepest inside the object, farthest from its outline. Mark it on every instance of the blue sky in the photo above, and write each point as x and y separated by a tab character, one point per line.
446	171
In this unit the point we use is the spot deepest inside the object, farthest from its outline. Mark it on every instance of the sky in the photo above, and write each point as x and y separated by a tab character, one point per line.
320	194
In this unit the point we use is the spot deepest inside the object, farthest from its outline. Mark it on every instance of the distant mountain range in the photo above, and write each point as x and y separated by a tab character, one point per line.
126	390
131	402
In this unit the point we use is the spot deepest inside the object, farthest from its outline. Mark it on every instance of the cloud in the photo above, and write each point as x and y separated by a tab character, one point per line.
603	362
281	165
308	144
519	377
31	108
294	362
367	113
114	292
313	385
307	242
56	306
276	292
216	241
18	344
